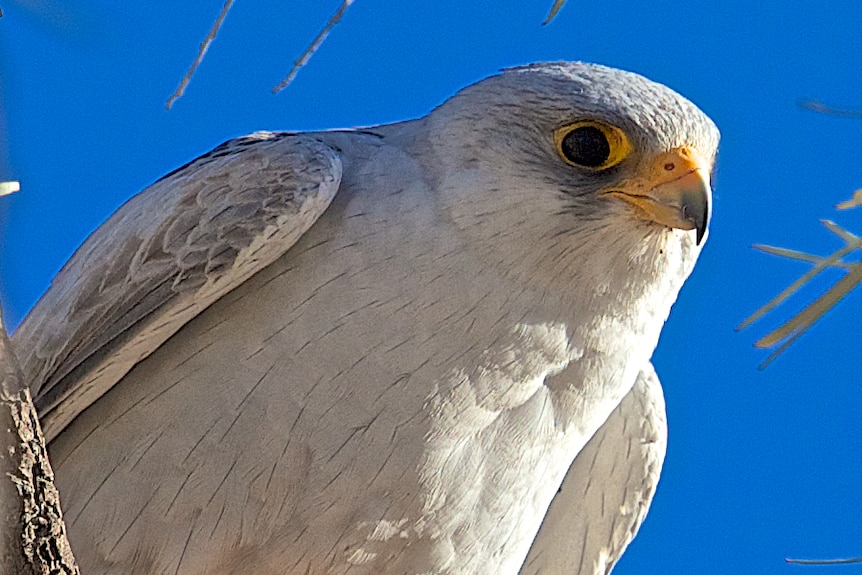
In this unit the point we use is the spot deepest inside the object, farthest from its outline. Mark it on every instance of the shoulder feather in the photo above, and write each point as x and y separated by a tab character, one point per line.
165	256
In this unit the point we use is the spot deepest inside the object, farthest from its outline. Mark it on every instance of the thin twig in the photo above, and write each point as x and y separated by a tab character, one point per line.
853	202
792	288
201	52
821	108
7	188
839	231
800	256
554	9
824	561
791	330
804	319
801	322
312	48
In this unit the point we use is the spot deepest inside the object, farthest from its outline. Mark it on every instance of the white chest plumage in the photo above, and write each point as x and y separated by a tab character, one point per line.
384	416
398	381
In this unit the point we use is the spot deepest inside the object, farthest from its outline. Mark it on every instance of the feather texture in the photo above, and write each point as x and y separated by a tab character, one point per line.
165	256
243	371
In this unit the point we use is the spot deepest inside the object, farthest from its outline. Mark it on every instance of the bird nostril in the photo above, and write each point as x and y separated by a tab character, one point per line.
669	166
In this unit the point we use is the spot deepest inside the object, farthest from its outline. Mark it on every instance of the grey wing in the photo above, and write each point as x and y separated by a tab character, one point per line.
607	490
165	256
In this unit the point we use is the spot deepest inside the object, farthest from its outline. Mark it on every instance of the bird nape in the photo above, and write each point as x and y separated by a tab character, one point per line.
415	348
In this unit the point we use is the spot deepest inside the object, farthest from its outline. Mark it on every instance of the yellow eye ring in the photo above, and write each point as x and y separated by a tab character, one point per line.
591	145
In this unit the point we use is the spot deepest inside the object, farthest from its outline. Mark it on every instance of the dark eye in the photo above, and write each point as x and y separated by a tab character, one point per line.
586	146
593	145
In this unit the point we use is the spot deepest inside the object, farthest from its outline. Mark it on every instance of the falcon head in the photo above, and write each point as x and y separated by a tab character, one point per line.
578	174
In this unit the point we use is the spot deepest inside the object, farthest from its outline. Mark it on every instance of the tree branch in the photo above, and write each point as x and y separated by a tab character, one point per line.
312	48
33	536
201	53
824	561
821	108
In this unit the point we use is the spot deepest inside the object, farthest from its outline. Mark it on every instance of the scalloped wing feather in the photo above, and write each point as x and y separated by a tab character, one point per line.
165	256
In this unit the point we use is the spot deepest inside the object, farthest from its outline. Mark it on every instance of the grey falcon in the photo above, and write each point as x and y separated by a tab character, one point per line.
414	348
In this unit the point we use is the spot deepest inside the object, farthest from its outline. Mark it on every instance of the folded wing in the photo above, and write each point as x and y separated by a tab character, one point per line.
165	256
608	489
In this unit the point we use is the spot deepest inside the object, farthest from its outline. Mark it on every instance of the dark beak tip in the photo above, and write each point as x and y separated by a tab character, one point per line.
699	223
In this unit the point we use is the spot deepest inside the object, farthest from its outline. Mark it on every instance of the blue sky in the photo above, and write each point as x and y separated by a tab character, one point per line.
761	464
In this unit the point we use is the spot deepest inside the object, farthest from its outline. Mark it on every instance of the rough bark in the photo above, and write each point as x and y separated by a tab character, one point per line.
32	533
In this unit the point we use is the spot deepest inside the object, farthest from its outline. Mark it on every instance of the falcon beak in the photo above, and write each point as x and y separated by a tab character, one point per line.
675	192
